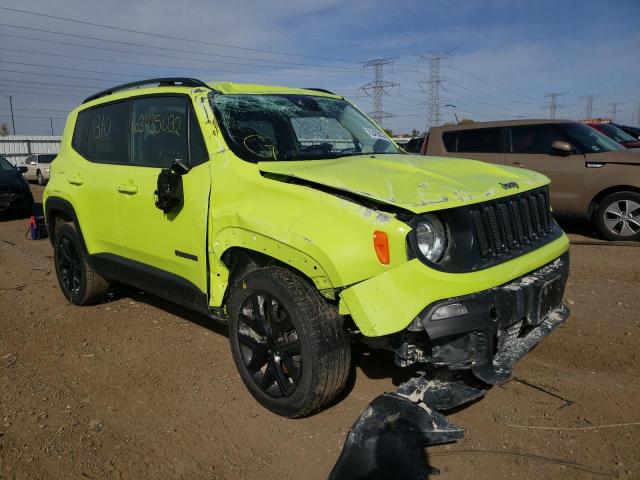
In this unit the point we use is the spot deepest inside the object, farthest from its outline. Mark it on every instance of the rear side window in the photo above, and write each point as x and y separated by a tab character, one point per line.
108	128
159	131
533	138
79	141
482	140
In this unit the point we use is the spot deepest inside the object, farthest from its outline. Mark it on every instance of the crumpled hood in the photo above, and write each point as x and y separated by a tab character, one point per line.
413	182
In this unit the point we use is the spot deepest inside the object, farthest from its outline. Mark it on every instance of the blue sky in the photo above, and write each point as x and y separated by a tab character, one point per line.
505	54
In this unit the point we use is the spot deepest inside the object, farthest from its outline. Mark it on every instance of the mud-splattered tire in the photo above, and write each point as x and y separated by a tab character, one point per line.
79	283
287	341
618	216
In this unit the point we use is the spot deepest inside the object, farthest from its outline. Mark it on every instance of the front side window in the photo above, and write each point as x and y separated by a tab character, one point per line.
588	139
107	136
296	127
5	164
534	139
159	131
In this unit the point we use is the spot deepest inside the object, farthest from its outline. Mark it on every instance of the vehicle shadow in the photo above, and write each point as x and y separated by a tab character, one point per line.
119	291
578	226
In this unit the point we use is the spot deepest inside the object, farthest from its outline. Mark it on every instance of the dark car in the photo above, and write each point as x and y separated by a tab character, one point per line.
633	131
15	194
611	131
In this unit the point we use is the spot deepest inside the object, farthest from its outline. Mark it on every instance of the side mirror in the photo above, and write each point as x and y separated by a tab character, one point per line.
23	169
179	167
561	147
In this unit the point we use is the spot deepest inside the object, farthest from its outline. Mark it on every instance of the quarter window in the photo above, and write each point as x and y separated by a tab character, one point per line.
159	129
107	138
79	141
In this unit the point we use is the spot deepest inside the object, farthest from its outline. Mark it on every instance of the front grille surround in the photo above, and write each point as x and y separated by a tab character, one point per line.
485	234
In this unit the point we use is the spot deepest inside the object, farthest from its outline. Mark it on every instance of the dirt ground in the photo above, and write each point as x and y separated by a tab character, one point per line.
137	388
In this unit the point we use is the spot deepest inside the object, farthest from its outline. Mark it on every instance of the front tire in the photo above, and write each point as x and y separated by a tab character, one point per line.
618	216
40	178
287	341
80	284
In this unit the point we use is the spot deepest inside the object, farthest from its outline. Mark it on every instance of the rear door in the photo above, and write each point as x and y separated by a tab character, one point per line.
485	144
100	140
163	129
529	146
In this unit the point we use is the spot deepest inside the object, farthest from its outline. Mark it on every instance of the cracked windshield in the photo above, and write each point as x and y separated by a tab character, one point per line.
297	127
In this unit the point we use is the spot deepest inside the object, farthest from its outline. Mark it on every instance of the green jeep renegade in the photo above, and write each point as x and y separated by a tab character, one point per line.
290	216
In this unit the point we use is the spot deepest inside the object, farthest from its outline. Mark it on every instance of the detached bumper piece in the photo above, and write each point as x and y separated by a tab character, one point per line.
389	438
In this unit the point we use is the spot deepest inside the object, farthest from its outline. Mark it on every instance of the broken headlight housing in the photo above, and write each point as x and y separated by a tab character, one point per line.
430	237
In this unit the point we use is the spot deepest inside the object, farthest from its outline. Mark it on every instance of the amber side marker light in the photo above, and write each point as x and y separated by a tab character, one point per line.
381	245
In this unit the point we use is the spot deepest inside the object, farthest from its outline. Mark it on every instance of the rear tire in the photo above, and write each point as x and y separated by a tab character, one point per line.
80	284
618	216
287	341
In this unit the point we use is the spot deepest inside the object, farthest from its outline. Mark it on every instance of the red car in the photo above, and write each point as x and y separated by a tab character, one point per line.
618	135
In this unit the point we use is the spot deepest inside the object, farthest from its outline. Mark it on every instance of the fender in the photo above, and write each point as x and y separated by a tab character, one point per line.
240	237
57	204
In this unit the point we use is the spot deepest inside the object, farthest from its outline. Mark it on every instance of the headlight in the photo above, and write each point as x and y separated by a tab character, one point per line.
431	237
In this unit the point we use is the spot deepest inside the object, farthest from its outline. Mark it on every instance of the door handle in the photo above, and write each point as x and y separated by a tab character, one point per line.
517	164
75	180
128	188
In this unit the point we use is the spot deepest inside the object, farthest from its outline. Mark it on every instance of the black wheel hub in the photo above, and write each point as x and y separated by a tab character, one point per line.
269	345
69	265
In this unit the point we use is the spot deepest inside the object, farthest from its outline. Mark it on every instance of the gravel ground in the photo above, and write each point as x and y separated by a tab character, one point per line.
138	388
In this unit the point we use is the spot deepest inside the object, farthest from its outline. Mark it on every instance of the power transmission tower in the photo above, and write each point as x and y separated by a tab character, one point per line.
638	116
432	85
613	110
589	110
553	103
13	122
378	87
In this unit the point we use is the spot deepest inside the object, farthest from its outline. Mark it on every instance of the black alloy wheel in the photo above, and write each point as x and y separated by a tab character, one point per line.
269	345
70	266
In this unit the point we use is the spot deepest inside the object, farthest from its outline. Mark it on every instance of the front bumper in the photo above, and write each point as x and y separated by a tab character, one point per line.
389	302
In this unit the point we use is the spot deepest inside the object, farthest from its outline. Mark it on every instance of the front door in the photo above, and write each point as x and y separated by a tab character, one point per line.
530	147
163	129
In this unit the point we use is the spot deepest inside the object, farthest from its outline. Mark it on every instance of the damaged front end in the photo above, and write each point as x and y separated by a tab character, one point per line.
465	345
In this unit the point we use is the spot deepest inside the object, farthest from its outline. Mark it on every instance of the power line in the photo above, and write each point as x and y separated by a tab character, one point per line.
268	63
495	85
613	110
172	37
378	87
553	103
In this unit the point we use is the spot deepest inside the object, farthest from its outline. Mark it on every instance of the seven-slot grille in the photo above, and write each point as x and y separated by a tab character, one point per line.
512	222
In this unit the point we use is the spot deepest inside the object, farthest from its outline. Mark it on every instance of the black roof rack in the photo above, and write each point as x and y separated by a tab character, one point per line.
170	81
323	90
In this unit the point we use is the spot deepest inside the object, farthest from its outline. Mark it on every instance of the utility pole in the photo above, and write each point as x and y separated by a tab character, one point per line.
378	87
553	103
432	85
51	122
589	110
13	122
613	110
